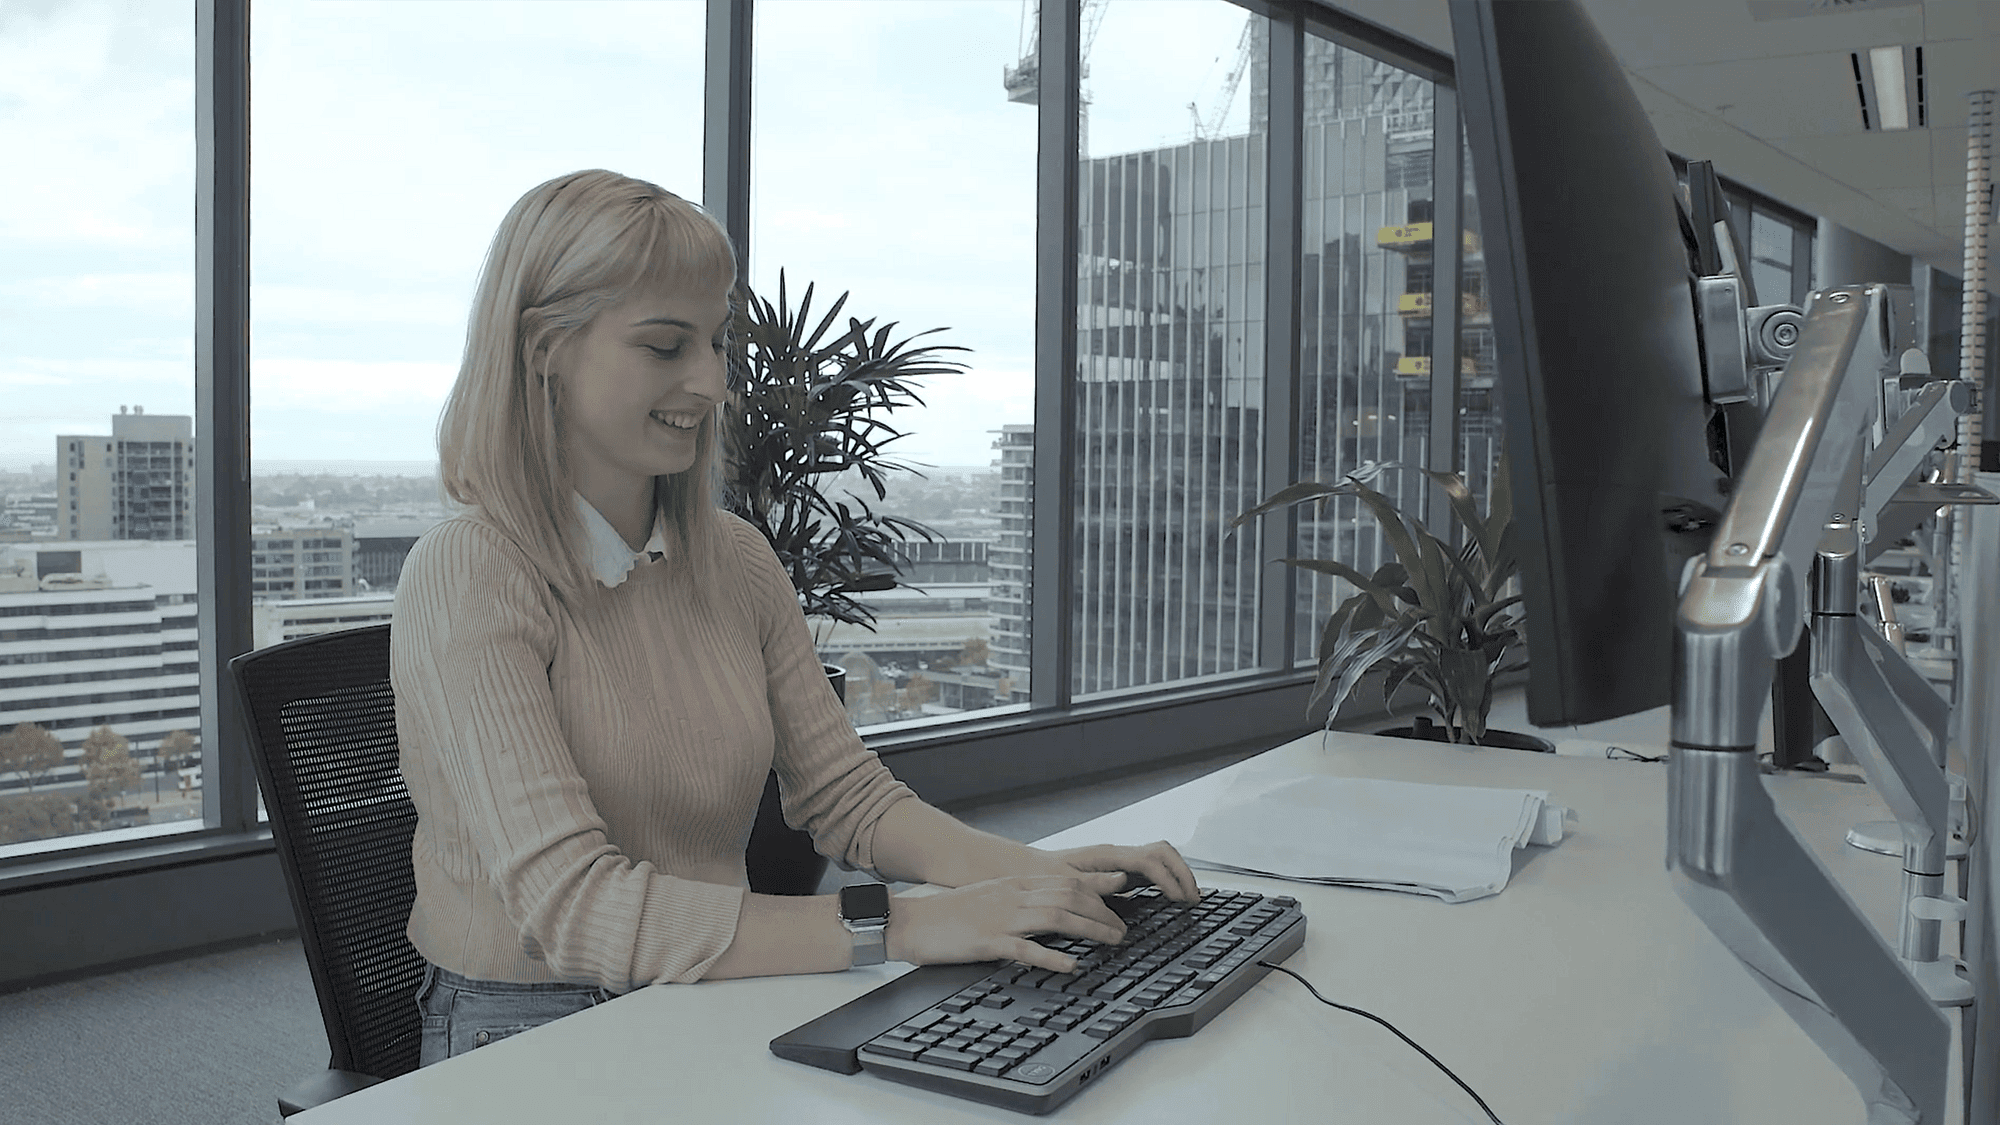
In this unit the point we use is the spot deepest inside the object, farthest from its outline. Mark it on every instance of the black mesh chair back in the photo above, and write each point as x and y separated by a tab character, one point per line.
322	725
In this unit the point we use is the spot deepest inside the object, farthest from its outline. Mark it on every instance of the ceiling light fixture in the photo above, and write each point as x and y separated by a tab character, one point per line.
1890	99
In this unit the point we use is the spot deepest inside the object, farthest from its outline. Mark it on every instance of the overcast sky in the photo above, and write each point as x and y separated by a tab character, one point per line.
389	138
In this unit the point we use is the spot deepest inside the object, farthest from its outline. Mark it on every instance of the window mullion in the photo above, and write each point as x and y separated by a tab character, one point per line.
222	399
1052	527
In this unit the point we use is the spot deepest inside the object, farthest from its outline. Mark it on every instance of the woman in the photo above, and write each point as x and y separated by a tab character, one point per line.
595	668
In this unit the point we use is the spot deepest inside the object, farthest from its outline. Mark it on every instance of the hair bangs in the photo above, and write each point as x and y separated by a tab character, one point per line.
680	248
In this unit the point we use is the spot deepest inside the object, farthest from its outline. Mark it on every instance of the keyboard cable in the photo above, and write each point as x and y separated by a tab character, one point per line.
1392	1027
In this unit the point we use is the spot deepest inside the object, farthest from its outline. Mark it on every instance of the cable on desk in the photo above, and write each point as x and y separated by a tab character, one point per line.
1614	751
1392	1027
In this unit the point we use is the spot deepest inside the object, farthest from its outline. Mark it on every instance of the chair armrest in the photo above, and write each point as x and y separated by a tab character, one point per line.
322	1088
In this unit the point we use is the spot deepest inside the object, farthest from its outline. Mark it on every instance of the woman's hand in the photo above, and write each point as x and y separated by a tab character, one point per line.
992	920
1157	863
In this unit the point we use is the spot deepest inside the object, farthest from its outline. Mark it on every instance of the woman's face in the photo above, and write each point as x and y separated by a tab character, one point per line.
637	384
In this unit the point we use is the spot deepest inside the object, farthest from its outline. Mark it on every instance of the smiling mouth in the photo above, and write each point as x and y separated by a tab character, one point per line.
679	421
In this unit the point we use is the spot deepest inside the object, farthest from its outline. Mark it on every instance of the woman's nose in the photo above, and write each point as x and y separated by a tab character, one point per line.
712	381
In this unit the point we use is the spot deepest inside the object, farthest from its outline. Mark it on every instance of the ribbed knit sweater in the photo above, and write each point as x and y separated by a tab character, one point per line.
586	774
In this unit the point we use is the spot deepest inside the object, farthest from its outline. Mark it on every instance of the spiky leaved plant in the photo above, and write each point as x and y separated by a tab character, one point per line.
1438	618
809	401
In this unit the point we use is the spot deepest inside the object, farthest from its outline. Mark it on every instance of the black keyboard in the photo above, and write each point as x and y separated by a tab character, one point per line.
1027	1039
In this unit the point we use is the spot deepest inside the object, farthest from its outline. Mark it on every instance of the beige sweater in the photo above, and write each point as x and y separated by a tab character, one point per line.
586	775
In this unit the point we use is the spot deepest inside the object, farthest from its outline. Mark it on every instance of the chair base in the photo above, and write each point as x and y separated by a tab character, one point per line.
322	1088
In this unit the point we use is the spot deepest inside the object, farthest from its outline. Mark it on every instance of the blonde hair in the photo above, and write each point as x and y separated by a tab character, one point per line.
566	250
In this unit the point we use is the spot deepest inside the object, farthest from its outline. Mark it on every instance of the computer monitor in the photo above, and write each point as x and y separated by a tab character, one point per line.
1598	358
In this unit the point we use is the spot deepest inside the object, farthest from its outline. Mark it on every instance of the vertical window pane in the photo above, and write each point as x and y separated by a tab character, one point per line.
1170	316
371	212
1367	287
1479	433
99	681
1770	258
893	160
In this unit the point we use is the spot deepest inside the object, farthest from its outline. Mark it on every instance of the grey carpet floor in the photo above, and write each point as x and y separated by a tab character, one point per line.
209	1040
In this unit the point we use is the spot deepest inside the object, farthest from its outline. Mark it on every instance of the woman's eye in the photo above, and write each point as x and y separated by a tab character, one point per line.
665	353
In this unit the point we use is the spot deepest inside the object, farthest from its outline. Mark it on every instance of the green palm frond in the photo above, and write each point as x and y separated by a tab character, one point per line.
810	399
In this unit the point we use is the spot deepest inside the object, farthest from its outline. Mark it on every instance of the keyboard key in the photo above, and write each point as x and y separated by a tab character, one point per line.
921	1021
995	1001
955	1004
1030	1019
992	1068
957	1060
1100	1030
893	1050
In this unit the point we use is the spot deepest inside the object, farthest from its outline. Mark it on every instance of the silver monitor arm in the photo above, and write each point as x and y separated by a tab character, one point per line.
1733	860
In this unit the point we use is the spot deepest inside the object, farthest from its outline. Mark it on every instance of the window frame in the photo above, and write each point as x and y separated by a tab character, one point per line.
162	891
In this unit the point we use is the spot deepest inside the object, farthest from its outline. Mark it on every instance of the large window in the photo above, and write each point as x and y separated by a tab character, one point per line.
1169	382
371	212
100	709
1367	286
890	164
900	154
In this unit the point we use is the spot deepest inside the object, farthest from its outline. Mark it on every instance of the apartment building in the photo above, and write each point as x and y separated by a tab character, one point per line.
99	633
136	482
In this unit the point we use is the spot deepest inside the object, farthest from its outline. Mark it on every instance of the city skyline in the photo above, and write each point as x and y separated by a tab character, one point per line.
370	215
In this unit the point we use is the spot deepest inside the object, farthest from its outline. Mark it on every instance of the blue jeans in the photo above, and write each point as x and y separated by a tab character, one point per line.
461	1014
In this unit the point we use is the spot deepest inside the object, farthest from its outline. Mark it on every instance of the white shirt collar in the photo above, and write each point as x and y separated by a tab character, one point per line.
610	559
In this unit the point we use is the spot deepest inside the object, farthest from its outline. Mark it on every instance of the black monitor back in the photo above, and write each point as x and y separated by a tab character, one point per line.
1599	366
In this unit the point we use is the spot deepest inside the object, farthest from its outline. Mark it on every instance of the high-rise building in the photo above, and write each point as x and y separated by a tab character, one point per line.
135	483
1007	559
1170	368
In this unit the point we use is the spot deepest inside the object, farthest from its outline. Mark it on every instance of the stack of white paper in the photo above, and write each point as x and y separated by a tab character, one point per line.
1455	842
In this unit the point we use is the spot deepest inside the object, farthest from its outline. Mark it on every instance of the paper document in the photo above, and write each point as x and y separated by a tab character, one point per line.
1453	841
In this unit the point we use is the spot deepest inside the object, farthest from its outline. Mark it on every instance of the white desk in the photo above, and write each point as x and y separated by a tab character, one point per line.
1584	993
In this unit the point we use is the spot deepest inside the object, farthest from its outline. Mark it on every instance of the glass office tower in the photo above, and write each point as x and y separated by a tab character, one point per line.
1170	365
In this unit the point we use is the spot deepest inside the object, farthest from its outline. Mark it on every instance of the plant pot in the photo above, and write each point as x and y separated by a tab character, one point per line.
1422	728
781	859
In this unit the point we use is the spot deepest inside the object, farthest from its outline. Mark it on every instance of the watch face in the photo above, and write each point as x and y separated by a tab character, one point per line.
869	900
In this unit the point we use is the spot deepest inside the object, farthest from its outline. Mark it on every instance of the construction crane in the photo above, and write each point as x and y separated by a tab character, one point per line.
1023	79
1207	127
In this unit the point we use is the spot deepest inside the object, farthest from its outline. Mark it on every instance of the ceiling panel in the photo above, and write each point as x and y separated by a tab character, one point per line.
1703	31
1920	203
1797	95
1952	70
1962	19
1867	161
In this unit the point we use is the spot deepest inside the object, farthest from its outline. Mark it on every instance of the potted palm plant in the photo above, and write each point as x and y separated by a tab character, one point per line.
1437	618
808	402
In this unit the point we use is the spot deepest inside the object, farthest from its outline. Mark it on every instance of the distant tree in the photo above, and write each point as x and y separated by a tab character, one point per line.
175	749
30	750
919	691
974	653
108	764
40	816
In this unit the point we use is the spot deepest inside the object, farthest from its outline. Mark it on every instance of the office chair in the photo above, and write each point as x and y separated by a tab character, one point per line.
322	726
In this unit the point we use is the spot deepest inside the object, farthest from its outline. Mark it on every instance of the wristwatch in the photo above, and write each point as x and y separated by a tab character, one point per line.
864	910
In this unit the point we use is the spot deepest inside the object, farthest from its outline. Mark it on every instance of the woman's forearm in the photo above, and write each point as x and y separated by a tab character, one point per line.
781	934
919	844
